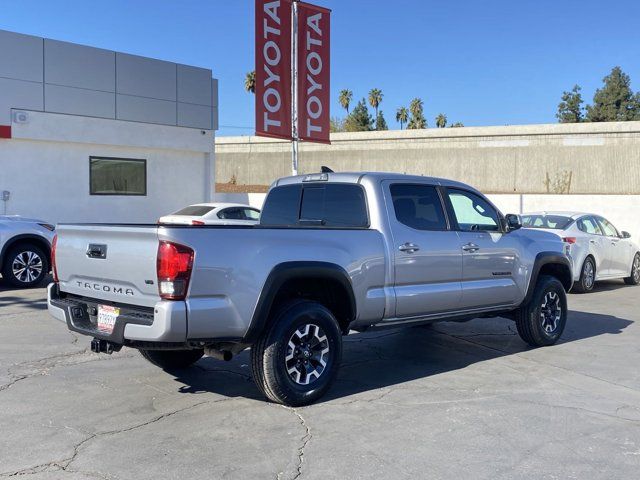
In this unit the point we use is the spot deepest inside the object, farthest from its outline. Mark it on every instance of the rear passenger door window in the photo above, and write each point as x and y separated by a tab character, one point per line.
589	225
418	206
231	214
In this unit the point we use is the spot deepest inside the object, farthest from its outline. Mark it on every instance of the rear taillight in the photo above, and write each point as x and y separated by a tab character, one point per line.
53	258
174	266
569	240
197	222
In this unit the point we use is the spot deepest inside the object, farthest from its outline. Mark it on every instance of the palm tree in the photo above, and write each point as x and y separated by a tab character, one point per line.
402	116
441	120
416	106
417	120
375	99
250	82
345	99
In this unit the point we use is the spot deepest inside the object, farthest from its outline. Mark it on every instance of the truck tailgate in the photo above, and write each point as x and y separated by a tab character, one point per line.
109	262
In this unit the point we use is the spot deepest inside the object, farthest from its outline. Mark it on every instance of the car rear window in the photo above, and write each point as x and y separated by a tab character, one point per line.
552	222
318	205
194	210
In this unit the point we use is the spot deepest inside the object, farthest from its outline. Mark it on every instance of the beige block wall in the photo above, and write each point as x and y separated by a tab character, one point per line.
590	158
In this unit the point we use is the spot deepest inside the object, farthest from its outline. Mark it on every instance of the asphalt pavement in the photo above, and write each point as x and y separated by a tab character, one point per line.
451	401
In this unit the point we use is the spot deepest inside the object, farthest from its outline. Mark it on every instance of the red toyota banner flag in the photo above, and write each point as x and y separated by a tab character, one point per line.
314	32
273	68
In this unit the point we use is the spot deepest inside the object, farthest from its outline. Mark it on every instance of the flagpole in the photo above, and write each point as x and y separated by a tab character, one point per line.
294	89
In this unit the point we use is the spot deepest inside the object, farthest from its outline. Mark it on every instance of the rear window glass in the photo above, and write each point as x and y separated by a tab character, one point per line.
552	222
194	210
282	206
323	205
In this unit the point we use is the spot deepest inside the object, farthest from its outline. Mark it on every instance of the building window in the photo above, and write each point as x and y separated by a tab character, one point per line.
117	176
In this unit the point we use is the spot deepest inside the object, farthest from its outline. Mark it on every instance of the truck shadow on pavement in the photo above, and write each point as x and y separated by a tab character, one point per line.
21	297
387	358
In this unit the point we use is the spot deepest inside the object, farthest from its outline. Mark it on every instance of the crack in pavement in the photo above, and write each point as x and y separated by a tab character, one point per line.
306	438
42	366
65	463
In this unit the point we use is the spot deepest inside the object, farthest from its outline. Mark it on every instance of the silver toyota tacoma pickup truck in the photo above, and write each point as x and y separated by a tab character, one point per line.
333	253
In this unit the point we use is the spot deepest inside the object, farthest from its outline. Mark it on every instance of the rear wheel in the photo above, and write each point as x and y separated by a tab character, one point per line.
297	358
542	320
172	359
25	266
634	279
587	277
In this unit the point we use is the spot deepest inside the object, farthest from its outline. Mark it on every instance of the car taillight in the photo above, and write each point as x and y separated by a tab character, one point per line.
569	240
174	266
54	269
197	222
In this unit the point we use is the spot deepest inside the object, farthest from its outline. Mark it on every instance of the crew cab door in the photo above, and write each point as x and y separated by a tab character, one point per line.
426	256
489	256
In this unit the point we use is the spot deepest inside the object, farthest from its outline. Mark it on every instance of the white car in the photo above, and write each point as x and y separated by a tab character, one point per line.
25	250
598	250
214	214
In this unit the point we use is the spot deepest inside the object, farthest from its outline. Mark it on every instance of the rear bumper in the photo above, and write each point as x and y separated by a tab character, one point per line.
166	322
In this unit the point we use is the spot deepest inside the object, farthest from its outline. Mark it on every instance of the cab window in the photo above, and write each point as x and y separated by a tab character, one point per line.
472	212
589	225
418	206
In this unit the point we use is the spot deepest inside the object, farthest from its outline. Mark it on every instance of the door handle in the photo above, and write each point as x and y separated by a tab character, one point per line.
470	247
592	241
409	247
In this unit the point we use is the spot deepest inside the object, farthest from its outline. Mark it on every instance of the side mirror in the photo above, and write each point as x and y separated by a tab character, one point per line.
513	222
626	235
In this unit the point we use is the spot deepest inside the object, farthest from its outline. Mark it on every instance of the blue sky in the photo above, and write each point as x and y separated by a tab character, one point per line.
493	62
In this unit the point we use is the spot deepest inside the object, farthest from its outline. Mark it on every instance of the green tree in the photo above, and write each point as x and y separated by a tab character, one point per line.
336	124
614	102
441	120
359	120
375	99
570	108
417	120
250	82
345	98
402	116
381	123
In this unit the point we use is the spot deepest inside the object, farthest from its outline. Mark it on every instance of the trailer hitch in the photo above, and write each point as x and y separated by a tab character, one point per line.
102	346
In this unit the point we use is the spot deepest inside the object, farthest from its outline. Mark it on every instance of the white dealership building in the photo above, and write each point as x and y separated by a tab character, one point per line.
92	135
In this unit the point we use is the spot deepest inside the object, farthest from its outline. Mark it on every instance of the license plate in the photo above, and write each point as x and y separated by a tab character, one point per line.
107	316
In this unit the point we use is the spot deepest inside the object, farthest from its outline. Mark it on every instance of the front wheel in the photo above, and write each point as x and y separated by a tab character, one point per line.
172	359
541	321
634	278
297	358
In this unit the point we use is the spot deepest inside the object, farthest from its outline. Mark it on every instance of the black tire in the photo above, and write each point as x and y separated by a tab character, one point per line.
269	355
634	278
172	359
35	261
587	280
532	323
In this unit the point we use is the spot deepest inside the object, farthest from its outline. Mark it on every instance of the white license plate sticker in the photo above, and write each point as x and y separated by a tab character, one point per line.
107	316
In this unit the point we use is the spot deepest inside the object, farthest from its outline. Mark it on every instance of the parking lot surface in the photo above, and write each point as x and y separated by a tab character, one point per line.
453	400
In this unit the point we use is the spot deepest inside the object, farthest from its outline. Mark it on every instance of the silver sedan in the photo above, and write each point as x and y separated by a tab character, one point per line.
598	250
